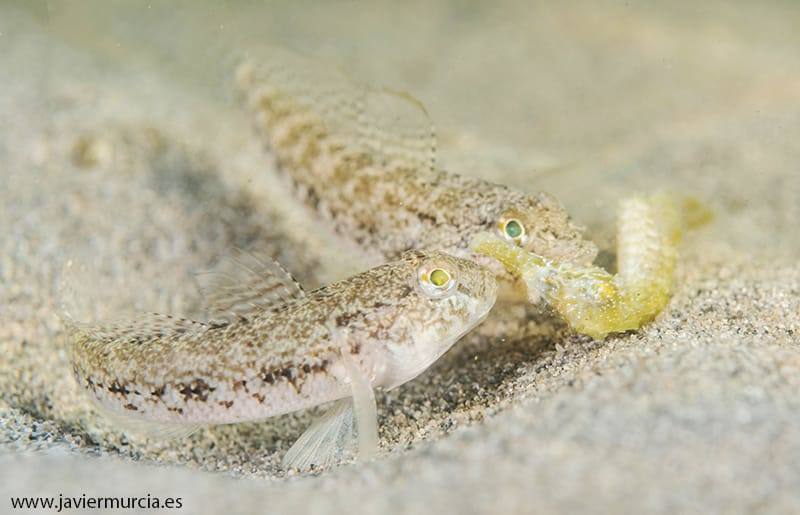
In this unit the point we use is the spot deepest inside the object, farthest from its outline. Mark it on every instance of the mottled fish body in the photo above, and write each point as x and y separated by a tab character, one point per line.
363	159
283	353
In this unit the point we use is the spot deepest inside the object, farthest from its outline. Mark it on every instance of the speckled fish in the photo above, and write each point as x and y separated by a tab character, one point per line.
363	159
271	349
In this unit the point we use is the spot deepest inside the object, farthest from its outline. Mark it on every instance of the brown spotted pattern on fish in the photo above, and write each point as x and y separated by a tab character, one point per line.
282	357
378	186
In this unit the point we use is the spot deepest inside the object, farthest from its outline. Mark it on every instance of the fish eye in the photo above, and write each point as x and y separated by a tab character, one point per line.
436	281
513	229
439	277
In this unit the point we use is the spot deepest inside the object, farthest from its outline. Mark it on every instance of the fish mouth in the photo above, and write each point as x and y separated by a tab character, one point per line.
508	284
496	250
476	319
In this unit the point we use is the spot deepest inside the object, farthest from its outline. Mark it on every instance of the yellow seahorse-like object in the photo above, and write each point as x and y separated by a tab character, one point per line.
590	299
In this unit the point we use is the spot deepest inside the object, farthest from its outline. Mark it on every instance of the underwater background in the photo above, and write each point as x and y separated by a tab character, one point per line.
122	146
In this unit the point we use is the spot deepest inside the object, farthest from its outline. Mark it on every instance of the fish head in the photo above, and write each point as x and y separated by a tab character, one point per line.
450	290
540	225
535	224
444	298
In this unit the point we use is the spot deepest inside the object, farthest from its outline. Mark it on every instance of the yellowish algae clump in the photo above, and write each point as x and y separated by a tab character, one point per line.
590	299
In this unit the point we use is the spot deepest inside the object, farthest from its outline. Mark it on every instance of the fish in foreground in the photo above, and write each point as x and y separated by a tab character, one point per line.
590	299
363	159
271	348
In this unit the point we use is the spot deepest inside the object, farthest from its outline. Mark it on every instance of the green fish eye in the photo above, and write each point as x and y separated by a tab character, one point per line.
439	277
513	229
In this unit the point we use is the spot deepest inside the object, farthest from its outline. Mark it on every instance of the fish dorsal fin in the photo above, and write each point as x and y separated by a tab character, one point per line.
395	127
79	321
243	284
141	329
392	127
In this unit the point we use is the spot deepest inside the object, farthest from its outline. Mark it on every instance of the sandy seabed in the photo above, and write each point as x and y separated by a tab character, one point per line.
121	148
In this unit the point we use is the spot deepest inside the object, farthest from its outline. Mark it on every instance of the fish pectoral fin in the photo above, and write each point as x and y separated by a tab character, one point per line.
244	283
330	438
365	409
326	442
